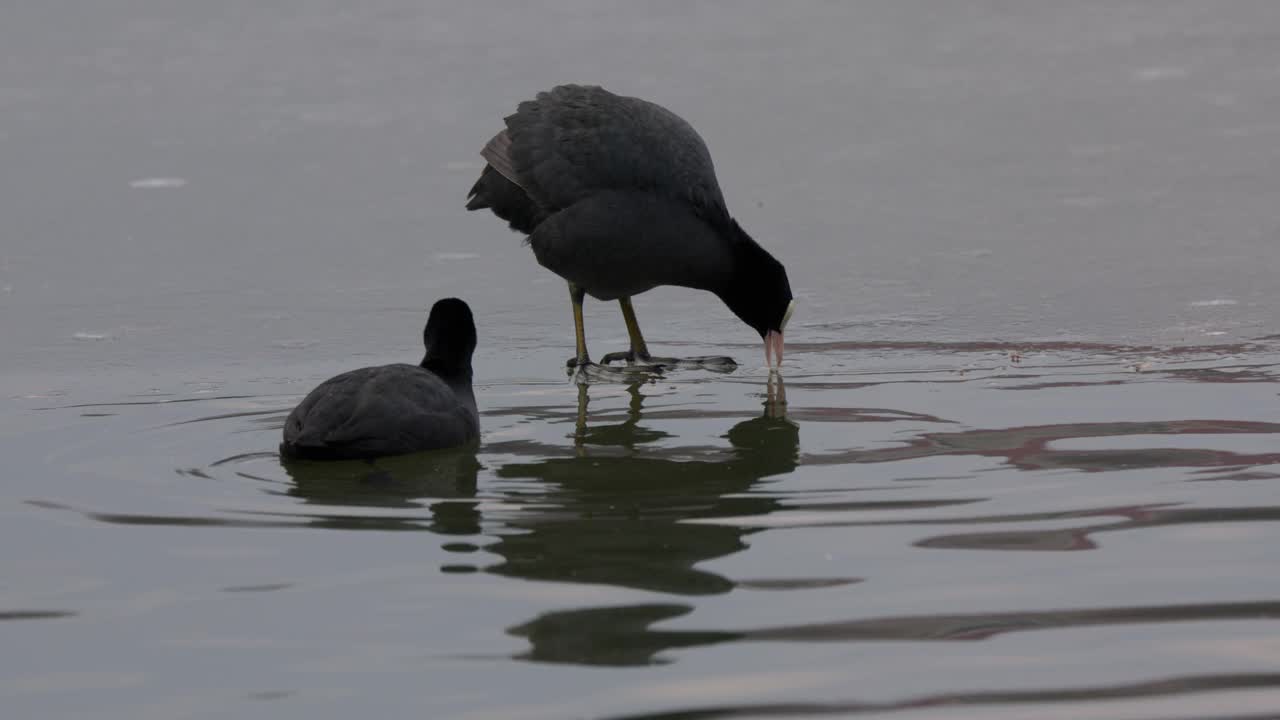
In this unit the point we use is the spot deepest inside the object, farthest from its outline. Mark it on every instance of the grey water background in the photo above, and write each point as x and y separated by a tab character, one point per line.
1026	463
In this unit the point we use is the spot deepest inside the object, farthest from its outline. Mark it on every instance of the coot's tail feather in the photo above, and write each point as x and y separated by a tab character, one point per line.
506	199
478	195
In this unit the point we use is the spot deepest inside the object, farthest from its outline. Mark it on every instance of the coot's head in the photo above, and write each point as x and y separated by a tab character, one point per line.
450	337
759	293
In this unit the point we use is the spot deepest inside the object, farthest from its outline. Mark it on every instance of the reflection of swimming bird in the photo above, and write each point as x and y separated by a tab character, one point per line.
391	482
444	482
395	409
618	196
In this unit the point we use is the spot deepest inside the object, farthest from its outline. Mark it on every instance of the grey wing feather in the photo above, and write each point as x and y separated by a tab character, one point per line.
574	141
497	152
309	422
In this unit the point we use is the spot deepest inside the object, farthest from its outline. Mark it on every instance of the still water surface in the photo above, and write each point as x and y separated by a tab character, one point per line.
1022	461
932	527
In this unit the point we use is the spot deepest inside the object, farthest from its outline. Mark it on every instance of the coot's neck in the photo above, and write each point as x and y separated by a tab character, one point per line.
741	288
455	373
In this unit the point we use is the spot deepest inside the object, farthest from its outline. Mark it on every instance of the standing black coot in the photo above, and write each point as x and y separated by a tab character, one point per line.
395	409
619	195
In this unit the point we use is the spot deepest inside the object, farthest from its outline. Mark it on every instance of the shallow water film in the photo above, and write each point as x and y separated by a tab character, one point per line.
1023	458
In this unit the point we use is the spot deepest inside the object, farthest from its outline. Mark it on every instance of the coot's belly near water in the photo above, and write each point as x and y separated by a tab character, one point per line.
615	245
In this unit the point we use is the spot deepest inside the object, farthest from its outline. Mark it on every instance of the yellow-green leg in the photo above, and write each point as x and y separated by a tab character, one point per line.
638	348
576	296
639	352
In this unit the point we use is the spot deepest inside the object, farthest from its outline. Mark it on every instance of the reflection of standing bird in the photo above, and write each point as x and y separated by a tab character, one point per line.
618	196
615	509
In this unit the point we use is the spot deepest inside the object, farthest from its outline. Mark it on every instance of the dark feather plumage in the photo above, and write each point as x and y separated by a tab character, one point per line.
619	195
378	411
394	409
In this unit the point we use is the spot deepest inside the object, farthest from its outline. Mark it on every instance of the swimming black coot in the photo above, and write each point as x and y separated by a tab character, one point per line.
395	409
618	196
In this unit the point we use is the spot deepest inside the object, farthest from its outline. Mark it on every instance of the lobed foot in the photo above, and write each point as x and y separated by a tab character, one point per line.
714	363
585	373
630	357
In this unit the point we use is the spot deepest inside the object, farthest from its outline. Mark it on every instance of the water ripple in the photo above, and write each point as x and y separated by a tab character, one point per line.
1038	697
624	635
